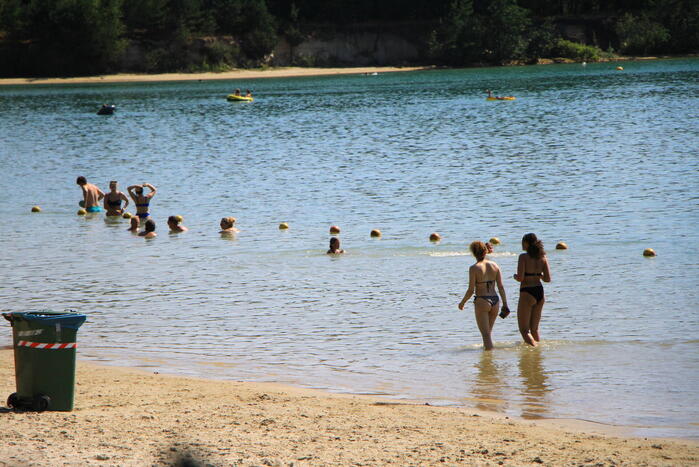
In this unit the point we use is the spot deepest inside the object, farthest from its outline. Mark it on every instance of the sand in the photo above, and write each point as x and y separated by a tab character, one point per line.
286	72
130	417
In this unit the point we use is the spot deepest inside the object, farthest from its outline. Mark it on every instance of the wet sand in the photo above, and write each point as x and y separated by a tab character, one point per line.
285	72
130	417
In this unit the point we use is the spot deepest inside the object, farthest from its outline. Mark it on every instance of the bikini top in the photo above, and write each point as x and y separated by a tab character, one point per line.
116	203
490	284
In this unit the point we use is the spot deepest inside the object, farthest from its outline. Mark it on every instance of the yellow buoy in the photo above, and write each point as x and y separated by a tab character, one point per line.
375	233
435	237
127	215
494	241
283	226
649	252
334	230
36	209
81	212
620	68
561	246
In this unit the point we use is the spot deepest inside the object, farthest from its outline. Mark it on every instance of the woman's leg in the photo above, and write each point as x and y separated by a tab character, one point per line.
535	318
493	315
482	310
524	314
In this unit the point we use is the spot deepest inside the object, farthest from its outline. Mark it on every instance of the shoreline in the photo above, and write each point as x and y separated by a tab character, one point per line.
289	72
125	416
239	74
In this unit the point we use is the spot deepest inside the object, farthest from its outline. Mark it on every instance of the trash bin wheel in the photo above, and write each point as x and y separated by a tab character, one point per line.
13	400
40	402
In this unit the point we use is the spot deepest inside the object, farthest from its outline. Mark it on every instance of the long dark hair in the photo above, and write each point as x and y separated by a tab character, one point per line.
535	248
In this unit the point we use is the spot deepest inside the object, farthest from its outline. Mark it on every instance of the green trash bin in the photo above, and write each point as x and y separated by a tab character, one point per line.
44	344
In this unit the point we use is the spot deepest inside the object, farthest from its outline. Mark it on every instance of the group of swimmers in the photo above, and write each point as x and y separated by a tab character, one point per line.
484	275
112	205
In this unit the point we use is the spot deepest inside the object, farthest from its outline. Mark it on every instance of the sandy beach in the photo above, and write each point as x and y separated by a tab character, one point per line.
130	417
286	72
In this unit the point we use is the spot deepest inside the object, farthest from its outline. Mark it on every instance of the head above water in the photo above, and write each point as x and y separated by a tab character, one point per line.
150	225
139	190
227	222
334	243
81	180
174	220
478	249
533	246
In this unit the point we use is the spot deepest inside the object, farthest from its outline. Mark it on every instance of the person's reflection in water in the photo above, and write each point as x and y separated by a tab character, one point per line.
536	389
488	389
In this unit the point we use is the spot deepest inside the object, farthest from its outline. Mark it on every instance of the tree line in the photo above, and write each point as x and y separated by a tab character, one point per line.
77	37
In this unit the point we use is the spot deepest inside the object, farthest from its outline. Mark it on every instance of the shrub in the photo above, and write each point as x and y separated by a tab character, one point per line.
577	51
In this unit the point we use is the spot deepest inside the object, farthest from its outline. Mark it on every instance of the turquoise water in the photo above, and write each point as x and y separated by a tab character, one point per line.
606	161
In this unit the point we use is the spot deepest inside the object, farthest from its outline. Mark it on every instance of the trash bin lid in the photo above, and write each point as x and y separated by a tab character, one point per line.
66	319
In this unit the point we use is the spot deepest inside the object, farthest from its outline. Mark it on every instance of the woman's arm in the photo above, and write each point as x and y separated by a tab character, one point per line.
471	285
126	200
152	190
501	288
547	271
519	276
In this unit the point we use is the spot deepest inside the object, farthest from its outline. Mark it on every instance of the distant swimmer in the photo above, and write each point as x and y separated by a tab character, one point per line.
248	93
491	97
482	278
228	225
113	199
175	224
135	224
335	247
142	201
236	92
532	267
488	248
149	231
91	195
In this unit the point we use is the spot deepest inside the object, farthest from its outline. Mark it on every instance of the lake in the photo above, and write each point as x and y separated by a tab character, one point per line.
604	160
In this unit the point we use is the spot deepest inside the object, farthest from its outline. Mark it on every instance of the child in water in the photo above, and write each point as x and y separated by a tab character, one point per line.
135	224
149	231
335	247
175	224
227	225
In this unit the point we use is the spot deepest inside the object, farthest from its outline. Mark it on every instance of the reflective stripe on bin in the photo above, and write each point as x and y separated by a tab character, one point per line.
43	345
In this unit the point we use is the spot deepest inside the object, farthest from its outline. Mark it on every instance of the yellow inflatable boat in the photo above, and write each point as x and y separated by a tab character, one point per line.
505	98
234	98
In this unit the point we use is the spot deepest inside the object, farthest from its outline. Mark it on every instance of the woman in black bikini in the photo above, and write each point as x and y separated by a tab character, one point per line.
532	268
113	199
482	278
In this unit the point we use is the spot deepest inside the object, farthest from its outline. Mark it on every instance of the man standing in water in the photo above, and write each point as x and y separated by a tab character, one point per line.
91	195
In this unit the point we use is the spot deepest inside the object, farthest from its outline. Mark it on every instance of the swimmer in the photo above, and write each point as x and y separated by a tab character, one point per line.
488	248
174	223
248	93
149	231
142	201
532	267
236	92
227	225
113	199
135	224
482	278
335	247
91	195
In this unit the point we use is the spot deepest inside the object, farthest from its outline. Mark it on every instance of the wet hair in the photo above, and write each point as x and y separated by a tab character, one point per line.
229	221
112	181
535	248
81	180
139	189
174	219
334	241
478	249
150	225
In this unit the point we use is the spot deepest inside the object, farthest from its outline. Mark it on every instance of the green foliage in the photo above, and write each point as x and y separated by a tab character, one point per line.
639	34
576	51
507	25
